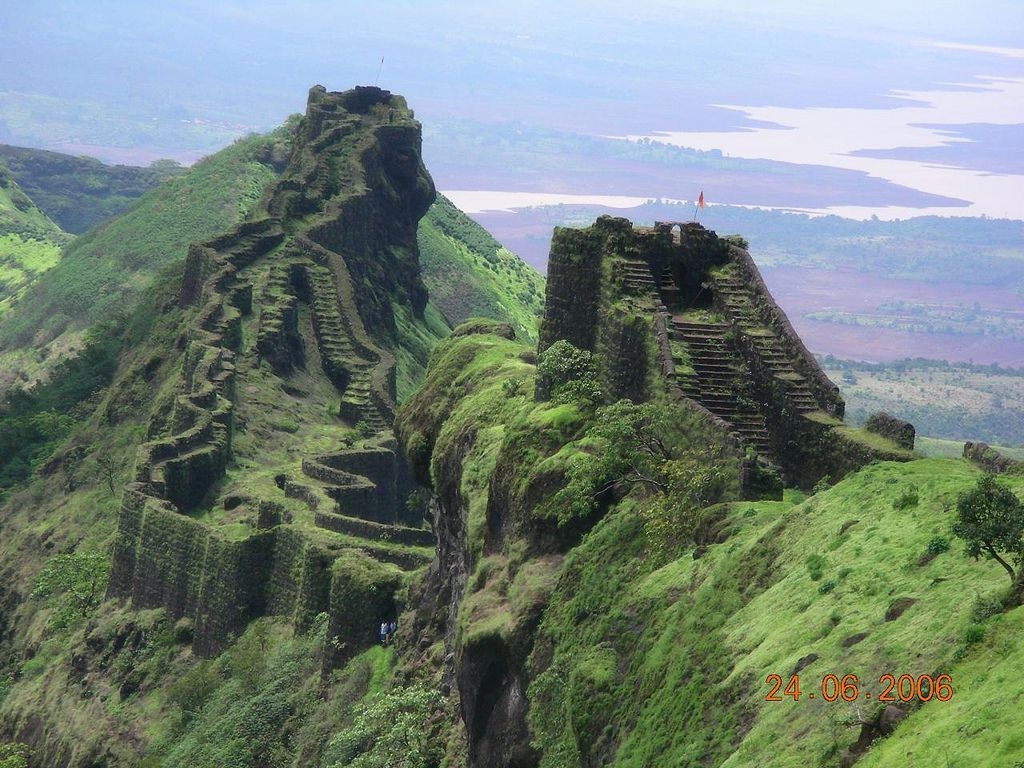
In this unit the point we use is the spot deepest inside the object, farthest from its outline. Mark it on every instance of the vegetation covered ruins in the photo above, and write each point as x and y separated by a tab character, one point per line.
597	537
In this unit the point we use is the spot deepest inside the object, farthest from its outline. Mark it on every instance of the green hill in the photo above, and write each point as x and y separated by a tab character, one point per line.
80	192
29	241
469	273
103	272
629	653
19	214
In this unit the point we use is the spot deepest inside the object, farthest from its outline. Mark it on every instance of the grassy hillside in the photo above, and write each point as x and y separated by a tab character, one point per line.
103	272
29	241
19	214
68	450
470	274
465	270
639	655
80	192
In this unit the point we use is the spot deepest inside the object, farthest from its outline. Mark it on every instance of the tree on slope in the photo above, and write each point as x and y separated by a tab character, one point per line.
990	518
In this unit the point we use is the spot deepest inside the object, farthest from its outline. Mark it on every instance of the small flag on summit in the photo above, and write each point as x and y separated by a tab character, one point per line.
700	200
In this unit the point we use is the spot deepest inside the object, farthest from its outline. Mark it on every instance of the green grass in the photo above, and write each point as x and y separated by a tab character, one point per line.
934	448
416	340
469	274
21	263
20	215
694	640
873	440
980	725
105	270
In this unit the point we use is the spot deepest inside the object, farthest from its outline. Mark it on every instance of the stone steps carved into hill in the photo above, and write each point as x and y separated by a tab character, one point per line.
718	378
739	304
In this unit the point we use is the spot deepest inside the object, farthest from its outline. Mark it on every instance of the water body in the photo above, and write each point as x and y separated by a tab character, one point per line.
870	140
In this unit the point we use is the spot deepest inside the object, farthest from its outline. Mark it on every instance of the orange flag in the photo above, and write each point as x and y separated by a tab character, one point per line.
700	200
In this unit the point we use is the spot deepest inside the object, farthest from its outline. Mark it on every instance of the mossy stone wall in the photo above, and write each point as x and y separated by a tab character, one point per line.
573	292
362	596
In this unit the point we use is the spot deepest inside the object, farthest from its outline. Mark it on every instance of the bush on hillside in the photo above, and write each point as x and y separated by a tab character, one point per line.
568	374
990	519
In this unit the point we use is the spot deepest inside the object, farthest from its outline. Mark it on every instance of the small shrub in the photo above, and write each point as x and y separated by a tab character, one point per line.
815	566
822	485
13	755
937	546
568	374
416	501
191	691
974	633
985	607
909	498
390	729
184	630
72	584
512	387
827	586
33	667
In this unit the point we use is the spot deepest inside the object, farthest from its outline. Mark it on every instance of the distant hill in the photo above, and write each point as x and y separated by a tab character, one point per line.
29	241
469	273
80	192
103	271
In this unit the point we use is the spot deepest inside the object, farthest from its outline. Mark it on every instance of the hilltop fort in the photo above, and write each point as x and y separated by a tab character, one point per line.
678	307
293	306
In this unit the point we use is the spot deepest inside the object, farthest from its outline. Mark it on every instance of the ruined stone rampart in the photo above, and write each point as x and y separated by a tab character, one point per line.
574	288
826	393
676	303
990	460
357	178
898	431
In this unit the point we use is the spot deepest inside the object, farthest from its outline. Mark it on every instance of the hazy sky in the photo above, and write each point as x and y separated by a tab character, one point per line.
132	81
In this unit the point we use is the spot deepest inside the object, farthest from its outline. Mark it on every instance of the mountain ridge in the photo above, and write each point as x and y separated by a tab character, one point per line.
576	547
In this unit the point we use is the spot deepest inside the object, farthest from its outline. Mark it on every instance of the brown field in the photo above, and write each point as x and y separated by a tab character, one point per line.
803	291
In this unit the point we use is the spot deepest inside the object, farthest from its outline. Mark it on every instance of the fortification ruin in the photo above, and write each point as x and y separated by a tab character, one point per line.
676	306
303	288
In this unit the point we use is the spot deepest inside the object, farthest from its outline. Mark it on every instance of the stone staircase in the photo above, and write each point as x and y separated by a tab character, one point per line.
346	366
278	319
718	379
637	279
670	294
738	302
347	501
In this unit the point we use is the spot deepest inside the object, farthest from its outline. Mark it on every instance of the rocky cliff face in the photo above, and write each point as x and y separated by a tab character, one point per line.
298	301
673	315
677	298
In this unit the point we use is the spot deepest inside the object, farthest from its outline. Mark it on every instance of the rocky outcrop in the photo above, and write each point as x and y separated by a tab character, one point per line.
333	248
678	300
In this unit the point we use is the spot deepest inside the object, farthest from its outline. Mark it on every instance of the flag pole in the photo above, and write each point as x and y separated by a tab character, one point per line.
698	204
377	81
